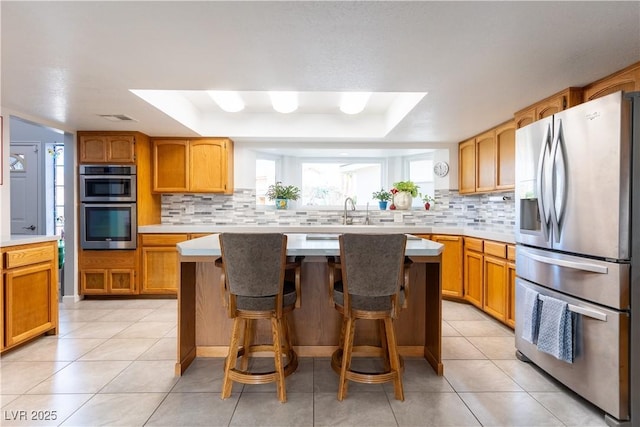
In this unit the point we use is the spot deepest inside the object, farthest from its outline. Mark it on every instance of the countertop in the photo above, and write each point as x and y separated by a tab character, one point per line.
25	239
298	245
500	235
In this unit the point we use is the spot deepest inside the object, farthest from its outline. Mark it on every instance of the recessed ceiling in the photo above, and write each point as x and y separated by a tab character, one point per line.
66	63
317	115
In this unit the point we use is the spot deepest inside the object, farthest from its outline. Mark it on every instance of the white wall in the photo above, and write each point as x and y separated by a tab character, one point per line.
5	206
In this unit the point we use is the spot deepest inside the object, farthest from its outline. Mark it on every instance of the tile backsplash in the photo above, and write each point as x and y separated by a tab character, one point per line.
491	211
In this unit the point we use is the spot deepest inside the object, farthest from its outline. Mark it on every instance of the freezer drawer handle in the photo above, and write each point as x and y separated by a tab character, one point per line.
588	312
594	268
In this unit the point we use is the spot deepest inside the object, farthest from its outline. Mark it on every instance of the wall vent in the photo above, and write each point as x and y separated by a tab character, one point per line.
117	117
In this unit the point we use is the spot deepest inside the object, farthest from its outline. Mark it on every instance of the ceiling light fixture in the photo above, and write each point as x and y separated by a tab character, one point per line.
228	100
284	102
354	102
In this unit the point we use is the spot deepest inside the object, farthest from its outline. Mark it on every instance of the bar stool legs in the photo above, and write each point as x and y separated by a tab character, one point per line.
388	351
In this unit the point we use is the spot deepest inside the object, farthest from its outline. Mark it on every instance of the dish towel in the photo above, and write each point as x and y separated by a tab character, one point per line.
531	310
555	335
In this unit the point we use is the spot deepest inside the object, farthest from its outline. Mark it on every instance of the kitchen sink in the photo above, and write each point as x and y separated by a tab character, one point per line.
334	236
322	236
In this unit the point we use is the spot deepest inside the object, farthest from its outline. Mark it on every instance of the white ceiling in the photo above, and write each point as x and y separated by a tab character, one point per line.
68	62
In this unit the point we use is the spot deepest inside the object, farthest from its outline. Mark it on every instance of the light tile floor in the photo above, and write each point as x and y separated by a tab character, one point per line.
113	364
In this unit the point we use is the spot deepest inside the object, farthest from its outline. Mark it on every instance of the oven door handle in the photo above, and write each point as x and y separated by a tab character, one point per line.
588	312
584	266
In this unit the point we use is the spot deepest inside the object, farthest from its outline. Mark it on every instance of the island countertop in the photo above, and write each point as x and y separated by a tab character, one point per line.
305	245
505	234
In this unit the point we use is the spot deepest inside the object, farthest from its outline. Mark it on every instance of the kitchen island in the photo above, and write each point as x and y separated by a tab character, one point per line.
204	328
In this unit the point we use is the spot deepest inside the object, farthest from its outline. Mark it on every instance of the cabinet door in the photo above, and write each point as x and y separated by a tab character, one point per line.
171	166
550	107
495	287
451	265
506	156
467	166
31	302
486	162
473	277
511	295
525	117
121	149
93	149
627	80
94	282
208	166
159	270
121	281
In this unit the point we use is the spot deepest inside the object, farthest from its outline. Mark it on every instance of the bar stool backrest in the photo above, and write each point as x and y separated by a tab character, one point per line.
254	263
372	264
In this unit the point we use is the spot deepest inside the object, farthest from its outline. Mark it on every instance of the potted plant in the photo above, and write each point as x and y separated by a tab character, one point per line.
427	200
403	194
282	194
383	198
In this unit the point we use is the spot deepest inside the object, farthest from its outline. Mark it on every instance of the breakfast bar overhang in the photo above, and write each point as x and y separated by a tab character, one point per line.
204	328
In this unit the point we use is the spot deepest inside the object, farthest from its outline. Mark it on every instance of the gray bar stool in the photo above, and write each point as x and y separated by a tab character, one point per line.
372	288
254	267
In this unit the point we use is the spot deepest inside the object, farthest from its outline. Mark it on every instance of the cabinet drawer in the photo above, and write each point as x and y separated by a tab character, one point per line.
473	244
496	249
511	252
20	257
163	239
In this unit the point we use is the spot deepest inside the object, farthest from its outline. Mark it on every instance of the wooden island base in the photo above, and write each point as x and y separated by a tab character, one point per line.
204	328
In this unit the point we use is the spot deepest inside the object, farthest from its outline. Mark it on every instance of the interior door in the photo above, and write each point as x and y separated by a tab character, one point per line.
24	176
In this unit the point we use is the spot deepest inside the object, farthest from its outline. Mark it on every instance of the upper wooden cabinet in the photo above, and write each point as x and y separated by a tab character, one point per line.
467	166
487	162
107	148
505	156
193	165
627	79
549	106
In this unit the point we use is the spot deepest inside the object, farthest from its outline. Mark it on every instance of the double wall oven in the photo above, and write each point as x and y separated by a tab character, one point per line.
108	207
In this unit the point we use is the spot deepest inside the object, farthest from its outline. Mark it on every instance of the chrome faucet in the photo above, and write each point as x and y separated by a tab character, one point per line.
367	221
347	220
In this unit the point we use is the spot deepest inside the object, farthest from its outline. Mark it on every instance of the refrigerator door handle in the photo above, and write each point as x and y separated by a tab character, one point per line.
588	312
584	266
541	181
558	186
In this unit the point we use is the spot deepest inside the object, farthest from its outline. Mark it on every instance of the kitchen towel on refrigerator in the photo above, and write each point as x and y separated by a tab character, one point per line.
555	333
531	316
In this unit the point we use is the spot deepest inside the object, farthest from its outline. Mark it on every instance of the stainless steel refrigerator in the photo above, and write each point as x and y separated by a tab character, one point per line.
578	242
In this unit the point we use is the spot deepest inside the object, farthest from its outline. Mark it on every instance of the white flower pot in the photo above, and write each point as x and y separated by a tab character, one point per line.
403	200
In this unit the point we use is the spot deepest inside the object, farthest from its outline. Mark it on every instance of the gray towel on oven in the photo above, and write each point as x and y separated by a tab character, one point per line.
555	335
531	309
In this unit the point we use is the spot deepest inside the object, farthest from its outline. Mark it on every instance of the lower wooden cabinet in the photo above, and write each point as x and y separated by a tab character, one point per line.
451	265
159	263
511	286
29	297
473	271
110	272
489	278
